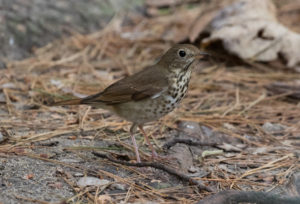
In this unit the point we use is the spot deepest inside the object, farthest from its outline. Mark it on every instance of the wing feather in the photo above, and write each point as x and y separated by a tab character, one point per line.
147	83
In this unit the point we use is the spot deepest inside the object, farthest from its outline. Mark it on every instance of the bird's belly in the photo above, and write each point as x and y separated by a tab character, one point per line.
147	110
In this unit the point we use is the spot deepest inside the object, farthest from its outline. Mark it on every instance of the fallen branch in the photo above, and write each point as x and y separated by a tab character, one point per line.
225	197
157	166
193	142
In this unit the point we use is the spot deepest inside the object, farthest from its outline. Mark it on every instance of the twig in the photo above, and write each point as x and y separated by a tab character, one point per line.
84	117
248	197
30	199
262	168
157	166
8	101
193	142
259	99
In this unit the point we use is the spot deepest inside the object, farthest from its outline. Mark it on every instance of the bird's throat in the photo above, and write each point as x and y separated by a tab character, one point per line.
187	67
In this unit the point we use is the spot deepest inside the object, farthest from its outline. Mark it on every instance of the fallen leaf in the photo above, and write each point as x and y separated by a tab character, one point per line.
249	29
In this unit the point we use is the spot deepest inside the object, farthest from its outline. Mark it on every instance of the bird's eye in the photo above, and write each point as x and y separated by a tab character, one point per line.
182	53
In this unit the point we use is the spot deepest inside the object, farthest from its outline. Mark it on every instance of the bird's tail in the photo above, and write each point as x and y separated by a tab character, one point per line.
67	102
81	101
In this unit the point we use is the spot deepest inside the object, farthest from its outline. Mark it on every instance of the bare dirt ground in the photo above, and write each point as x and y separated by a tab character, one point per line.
48	155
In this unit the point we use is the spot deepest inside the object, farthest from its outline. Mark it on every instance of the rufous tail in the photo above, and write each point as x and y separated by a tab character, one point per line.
67	102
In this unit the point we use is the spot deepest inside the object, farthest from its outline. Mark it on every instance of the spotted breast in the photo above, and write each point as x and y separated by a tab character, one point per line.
161	103
177	90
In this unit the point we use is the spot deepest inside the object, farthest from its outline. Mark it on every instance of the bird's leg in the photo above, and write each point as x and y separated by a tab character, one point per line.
136	148
154	154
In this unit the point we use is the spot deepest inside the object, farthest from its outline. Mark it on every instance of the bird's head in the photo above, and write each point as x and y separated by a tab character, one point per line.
180	57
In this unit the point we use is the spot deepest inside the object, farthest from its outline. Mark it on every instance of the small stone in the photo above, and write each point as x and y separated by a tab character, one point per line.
56	83
70	160
119	186
78	174
1	137
91	181
273	128
260	150
229	126
192	169
242	146
182	155
229	147
60	170
189	127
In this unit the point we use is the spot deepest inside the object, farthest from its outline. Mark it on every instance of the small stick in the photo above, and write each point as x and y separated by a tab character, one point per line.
30	199
193	142
157	166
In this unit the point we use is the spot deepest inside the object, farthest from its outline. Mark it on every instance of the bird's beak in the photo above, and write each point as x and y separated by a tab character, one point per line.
201	55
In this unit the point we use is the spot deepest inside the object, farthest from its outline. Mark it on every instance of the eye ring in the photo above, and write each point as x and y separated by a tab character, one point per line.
181	53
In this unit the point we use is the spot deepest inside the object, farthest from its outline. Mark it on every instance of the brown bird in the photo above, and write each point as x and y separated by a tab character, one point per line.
149	94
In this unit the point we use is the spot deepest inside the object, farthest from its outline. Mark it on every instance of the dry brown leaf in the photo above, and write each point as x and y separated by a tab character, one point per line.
250	30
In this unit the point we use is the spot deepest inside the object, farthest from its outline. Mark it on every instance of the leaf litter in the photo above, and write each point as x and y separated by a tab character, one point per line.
223	99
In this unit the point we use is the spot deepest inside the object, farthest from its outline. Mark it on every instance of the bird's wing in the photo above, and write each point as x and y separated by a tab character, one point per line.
150	82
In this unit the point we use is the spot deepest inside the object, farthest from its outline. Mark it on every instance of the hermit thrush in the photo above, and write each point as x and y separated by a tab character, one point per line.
149	94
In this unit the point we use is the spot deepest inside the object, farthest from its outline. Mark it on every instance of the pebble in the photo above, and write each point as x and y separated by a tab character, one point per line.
78	174
66	160
91	181
119	186
189	127
272	128
1	137
192	169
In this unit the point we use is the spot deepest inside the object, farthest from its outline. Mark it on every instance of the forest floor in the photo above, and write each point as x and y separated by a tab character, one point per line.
48	154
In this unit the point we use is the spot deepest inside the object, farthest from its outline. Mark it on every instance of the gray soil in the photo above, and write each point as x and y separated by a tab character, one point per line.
26	24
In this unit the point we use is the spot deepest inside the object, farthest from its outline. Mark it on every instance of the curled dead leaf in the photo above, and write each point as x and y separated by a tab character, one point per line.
249	29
